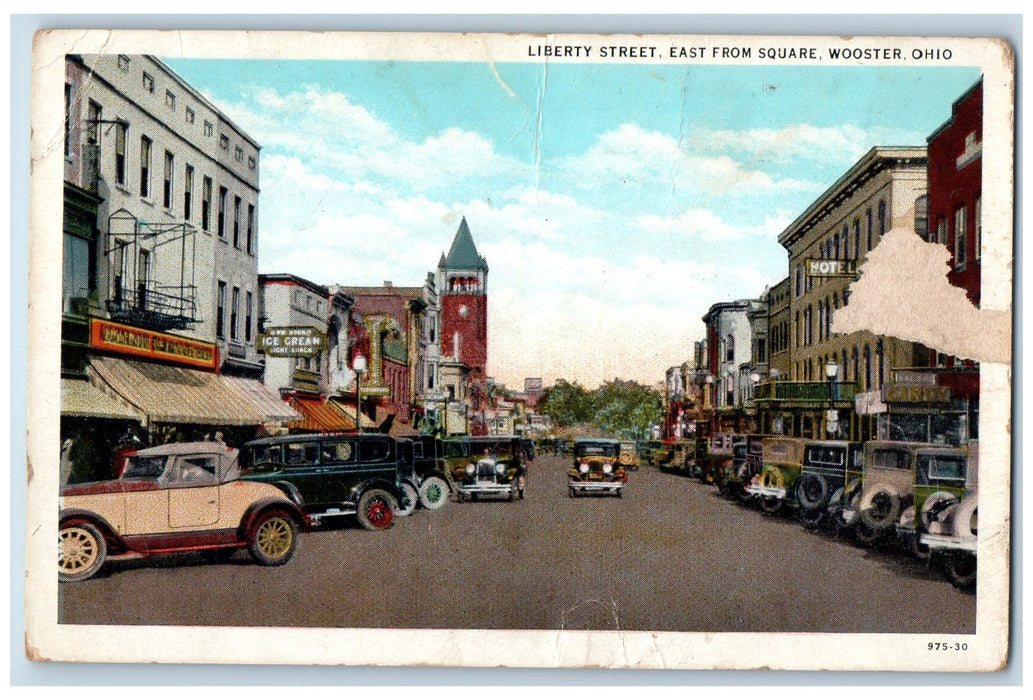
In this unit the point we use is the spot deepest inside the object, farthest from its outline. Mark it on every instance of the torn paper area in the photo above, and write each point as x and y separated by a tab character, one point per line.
902	291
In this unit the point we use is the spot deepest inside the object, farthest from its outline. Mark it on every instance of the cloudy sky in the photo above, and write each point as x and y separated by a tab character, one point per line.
613	203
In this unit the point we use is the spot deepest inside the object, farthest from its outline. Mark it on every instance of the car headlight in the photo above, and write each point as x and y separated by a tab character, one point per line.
500	468
583	468
607	468
469	469
973	522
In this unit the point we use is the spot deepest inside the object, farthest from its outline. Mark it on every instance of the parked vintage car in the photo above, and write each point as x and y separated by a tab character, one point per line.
888	487
628	456
674	455
489	465
745	464
952	540
714	457
596	468
431	472
781	465
831	476
181	497
331	476
647	452
942	521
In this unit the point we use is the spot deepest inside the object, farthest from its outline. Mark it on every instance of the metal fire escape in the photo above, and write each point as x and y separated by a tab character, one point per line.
136	295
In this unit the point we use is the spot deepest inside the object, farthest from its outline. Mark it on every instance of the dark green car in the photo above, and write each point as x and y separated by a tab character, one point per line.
331	476
491	465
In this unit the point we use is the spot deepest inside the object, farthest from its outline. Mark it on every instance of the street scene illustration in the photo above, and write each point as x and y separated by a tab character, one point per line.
540	345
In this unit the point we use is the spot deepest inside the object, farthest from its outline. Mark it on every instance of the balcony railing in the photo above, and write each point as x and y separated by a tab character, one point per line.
156	307
816	392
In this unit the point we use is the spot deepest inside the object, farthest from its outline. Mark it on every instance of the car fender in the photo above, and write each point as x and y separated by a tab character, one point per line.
374	483
292	492
114	540
259	507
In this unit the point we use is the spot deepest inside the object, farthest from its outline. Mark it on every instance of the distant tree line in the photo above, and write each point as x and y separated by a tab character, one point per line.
619	408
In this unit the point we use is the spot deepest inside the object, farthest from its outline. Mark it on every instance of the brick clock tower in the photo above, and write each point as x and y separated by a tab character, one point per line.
462	281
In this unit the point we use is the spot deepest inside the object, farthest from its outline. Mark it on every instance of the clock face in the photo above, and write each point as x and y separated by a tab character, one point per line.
463	311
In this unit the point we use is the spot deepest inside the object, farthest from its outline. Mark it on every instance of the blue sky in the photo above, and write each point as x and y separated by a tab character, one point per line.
614	203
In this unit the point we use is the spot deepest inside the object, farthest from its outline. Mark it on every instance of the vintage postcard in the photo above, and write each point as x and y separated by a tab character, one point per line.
525	351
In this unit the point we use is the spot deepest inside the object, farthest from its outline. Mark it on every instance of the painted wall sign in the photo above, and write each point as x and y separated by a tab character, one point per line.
127	340
831	268
291	341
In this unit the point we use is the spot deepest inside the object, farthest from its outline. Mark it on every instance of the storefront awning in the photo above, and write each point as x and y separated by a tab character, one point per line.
348	408
265	400
178	395
81	399
319	415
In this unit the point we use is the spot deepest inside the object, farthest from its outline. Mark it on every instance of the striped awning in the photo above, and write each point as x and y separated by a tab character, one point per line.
81	399
167	394
265	400
348	408
319	415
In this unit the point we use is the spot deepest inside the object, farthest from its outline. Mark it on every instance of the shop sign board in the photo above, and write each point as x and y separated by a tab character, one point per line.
910	393
128	340
291	341
830	268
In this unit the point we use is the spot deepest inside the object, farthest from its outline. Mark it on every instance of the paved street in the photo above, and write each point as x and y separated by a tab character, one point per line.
670	555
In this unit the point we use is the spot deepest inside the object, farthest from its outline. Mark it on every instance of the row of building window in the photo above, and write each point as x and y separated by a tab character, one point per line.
188	114
242	225
959	233
234	314
841	245
861	363
826	308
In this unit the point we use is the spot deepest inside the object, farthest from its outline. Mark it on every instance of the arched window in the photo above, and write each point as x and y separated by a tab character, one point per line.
857	239
868	220
855	360
730	348
882	218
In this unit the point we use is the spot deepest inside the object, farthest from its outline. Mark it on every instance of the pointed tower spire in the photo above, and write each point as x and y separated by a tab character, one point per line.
463	254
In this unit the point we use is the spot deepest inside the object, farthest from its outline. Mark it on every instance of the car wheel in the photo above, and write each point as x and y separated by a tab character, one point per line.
410	497
273	539
867	536
811	491
376	509
770	506
81	552
810	518
960	568
433	493
882	509
935	508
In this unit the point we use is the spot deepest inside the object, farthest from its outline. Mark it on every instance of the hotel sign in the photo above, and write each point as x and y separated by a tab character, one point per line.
291	341
127	340
830	268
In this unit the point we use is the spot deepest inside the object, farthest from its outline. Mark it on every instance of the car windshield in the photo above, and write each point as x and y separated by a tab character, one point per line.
944	467
138	467
597	450
890	459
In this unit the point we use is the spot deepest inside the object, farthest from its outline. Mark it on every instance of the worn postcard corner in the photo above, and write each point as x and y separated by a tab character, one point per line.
527	351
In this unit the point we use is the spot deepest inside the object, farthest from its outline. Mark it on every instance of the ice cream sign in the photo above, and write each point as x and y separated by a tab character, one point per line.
291	341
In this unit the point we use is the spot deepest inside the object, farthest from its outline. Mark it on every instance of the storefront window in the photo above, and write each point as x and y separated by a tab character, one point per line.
76	270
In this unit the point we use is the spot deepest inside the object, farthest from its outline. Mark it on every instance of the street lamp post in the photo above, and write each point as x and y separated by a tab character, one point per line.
831	370
359	365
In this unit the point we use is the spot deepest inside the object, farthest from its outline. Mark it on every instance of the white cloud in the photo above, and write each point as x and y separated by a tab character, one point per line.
801	141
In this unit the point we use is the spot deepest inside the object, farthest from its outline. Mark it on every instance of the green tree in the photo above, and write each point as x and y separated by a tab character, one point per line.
568	403
626	408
